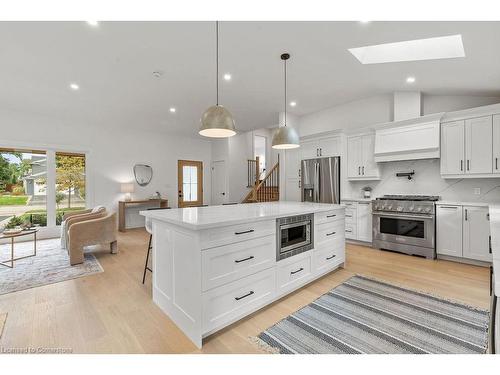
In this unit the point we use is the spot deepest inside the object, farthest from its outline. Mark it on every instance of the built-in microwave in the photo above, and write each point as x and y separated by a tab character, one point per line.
294	235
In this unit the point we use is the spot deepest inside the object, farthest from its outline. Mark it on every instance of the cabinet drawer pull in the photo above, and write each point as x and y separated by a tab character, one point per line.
461	165
466	216
363	171
451	207
348	215
247	231
329	216
468	165
348	230
244	260
489	243
359	171
331	234
333	256
496	163
246	295
294	272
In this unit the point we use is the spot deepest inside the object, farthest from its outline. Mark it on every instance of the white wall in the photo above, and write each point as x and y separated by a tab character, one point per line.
112	154
379	109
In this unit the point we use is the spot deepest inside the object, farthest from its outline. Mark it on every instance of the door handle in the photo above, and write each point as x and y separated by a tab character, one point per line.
461	165
246	295
496	163
317	152
468	164
489	243
294	272
465	214
223	193
320	152
363	170
243	260
359	171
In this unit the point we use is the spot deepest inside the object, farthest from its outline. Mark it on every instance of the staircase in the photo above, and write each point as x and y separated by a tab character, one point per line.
266	189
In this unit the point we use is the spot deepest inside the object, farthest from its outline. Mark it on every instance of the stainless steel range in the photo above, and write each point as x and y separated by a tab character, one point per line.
405	223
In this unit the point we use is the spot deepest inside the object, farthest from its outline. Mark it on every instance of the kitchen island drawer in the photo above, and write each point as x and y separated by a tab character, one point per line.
232	301
236	233
328	216
327	232
292	273
329	256
351	231
223	264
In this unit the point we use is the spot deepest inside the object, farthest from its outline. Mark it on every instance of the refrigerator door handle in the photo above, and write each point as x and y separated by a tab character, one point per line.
316	183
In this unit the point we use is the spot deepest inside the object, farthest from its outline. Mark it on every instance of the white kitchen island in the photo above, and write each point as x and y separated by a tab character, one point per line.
214	265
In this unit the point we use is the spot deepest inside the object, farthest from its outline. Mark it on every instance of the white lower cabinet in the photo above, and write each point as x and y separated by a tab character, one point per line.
476	242
223	304
358	220
293	272
463	232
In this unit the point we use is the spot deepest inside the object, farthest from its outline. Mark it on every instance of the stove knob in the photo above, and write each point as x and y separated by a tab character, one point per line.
411	208
427	210
419	209
399	209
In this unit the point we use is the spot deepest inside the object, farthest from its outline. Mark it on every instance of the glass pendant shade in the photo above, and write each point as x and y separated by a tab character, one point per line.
285	137
217	122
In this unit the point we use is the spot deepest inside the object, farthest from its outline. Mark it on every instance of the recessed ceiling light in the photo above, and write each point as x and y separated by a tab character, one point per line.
293	104
445	47
93	23
227	77
364	21
410	80
172	109
74	86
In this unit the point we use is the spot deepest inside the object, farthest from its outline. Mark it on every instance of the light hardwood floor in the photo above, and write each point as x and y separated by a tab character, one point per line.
112	312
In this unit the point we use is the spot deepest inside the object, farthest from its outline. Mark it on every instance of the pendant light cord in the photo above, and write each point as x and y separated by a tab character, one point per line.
217	59
285	92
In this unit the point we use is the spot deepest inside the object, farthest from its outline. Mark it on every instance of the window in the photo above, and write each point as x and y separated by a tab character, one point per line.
23	188
70	183
38	186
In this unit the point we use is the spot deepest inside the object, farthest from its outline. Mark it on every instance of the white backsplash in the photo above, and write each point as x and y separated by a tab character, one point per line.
427	180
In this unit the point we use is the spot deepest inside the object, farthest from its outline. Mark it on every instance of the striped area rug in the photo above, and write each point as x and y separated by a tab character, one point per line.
363	315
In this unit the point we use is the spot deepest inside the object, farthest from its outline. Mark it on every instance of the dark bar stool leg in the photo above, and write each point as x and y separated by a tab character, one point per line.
146	268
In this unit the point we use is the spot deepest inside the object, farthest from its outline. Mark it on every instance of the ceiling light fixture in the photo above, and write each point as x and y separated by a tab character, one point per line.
74	86
410	80
445	47
172	109
93	23
285	137
227	77
293	104
217	121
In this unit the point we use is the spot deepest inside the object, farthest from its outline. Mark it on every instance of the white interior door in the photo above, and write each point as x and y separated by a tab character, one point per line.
478	145
452	148
219	191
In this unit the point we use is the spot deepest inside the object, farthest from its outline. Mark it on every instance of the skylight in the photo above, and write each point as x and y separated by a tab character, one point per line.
445	47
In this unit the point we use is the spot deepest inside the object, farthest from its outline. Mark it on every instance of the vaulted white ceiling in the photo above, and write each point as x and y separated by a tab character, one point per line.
113	64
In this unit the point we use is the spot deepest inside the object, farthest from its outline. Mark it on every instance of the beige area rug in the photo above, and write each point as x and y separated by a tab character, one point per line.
3	318
49	266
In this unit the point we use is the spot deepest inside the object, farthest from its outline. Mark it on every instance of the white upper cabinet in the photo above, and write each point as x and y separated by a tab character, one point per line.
329	147
360	158
496	144
478	145
452	148
321	147
309	149
476	233
467	148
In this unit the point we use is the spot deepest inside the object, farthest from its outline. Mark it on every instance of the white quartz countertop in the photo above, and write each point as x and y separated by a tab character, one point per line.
495	244
197	218
457	203
357	199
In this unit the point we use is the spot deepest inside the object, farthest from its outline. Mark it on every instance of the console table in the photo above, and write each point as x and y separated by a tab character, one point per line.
122	205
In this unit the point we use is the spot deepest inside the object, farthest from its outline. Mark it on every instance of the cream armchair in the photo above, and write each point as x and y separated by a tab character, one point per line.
90	229
91	213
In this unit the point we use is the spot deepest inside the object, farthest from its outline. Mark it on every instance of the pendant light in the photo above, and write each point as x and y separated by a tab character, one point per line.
285	137
217	121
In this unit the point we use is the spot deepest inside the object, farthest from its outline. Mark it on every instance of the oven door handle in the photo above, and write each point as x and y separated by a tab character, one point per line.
293	225
403	215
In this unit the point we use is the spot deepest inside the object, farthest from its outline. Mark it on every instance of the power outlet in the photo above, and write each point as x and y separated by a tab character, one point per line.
477	191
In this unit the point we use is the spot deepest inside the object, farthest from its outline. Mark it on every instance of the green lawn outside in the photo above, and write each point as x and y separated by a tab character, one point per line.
13	200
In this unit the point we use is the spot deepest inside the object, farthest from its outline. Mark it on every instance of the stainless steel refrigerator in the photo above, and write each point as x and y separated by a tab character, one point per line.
320	180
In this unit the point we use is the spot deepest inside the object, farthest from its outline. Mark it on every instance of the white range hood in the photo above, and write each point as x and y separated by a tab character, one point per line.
410	136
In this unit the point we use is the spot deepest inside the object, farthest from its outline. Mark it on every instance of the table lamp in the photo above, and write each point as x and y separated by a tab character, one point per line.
127	189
